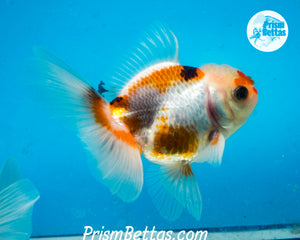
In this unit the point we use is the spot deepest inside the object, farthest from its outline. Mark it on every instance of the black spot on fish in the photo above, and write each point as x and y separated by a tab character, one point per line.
101	89
144	106
117	99
188	73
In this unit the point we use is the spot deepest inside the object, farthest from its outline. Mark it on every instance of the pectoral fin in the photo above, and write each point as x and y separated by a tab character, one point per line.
214	151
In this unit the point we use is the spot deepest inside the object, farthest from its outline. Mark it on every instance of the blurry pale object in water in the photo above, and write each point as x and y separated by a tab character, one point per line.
174	115
17	197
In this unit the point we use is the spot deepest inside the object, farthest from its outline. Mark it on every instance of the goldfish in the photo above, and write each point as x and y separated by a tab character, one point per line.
172	114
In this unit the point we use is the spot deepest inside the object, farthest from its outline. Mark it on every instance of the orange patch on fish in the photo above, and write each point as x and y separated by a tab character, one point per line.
120	102
98	106
243	80
119	107
167	77
216	140
255	90
175	140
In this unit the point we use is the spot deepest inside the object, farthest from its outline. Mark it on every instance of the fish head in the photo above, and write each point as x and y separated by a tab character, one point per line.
231	97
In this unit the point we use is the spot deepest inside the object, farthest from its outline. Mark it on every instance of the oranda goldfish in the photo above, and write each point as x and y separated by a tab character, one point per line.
174	115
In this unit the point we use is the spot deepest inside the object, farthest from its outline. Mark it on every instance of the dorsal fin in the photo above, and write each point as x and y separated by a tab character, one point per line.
159	44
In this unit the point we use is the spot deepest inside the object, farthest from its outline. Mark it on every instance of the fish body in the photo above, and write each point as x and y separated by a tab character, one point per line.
174	115
166	108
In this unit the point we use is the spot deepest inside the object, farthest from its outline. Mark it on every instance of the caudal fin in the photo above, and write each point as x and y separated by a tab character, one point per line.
17	197
174	187
116	155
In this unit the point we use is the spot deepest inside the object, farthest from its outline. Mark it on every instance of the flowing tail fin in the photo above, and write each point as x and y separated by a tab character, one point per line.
17	197
174	187
116	155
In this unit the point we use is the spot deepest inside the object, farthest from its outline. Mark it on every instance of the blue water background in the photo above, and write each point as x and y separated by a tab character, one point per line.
258	182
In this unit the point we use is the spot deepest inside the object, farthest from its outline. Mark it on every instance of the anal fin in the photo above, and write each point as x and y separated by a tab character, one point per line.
174	187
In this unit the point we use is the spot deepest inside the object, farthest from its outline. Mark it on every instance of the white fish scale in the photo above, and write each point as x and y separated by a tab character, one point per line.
187	105
184	108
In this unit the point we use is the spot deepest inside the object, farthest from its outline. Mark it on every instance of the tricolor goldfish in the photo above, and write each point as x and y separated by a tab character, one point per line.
174	115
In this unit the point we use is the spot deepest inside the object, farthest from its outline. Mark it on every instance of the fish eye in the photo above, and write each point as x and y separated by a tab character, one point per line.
240	93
